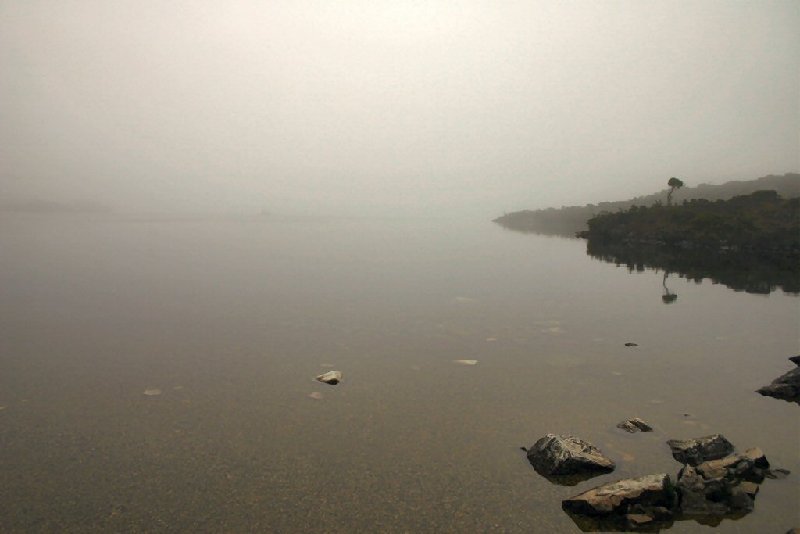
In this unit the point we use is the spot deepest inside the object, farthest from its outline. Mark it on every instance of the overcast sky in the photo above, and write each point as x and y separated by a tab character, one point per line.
474	107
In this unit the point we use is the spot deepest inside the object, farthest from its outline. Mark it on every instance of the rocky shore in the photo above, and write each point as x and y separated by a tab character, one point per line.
714	483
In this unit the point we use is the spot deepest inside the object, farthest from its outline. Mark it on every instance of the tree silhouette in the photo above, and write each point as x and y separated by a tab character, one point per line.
673	183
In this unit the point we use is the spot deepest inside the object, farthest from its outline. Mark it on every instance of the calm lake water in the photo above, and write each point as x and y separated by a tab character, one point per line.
232	319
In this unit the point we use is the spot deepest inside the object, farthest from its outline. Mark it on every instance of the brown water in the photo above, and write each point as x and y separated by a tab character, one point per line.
232	319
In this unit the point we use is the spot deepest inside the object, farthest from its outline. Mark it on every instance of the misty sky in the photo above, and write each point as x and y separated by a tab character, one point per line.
440	107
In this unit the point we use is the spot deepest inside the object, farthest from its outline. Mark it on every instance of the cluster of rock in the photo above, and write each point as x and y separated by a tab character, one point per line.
722	487
786	386
715	482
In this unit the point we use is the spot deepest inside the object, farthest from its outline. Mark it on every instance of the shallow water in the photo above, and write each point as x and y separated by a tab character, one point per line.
231	320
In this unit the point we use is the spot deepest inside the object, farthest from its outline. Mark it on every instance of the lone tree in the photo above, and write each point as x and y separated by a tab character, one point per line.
673	183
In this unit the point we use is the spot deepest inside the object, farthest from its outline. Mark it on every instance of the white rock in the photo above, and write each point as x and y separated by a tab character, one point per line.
331	377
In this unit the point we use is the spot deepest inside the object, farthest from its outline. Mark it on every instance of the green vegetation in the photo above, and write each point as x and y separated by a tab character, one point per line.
571	219
762	223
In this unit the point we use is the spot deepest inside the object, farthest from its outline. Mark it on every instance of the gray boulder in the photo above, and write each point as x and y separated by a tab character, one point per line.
699	450
567	455
786	386
634	501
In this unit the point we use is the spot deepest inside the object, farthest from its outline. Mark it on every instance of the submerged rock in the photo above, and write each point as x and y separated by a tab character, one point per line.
567	455
635	425
778	473
633	502
786	386
331	377
699	450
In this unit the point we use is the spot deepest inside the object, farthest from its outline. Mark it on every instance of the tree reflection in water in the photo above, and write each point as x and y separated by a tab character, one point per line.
739	271
668	297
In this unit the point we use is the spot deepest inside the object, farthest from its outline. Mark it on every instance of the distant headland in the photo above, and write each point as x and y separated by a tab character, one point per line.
570	220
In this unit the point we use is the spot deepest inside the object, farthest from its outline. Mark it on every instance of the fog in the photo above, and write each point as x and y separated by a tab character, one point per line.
400	108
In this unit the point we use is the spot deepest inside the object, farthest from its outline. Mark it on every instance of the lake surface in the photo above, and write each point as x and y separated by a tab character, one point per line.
232	319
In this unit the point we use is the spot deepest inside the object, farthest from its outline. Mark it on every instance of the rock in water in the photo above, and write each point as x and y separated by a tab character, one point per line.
631	344
634	500
331	377
567	455
723	487
786	386
699	450
635	425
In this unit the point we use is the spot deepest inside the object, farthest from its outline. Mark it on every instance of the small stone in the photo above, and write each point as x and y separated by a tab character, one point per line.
751	488
635	425
631	344
757	456
331	377
638	519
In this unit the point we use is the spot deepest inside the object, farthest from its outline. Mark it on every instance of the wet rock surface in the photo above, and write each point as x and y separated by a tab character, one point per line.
723	487
555	455
633	503
698	450
786	386
634	425
715	483
331	377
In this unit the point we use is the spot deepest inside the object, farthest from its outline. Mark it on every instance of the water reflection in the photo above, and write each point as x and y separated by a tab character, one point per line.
738	271
668	297
595	524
